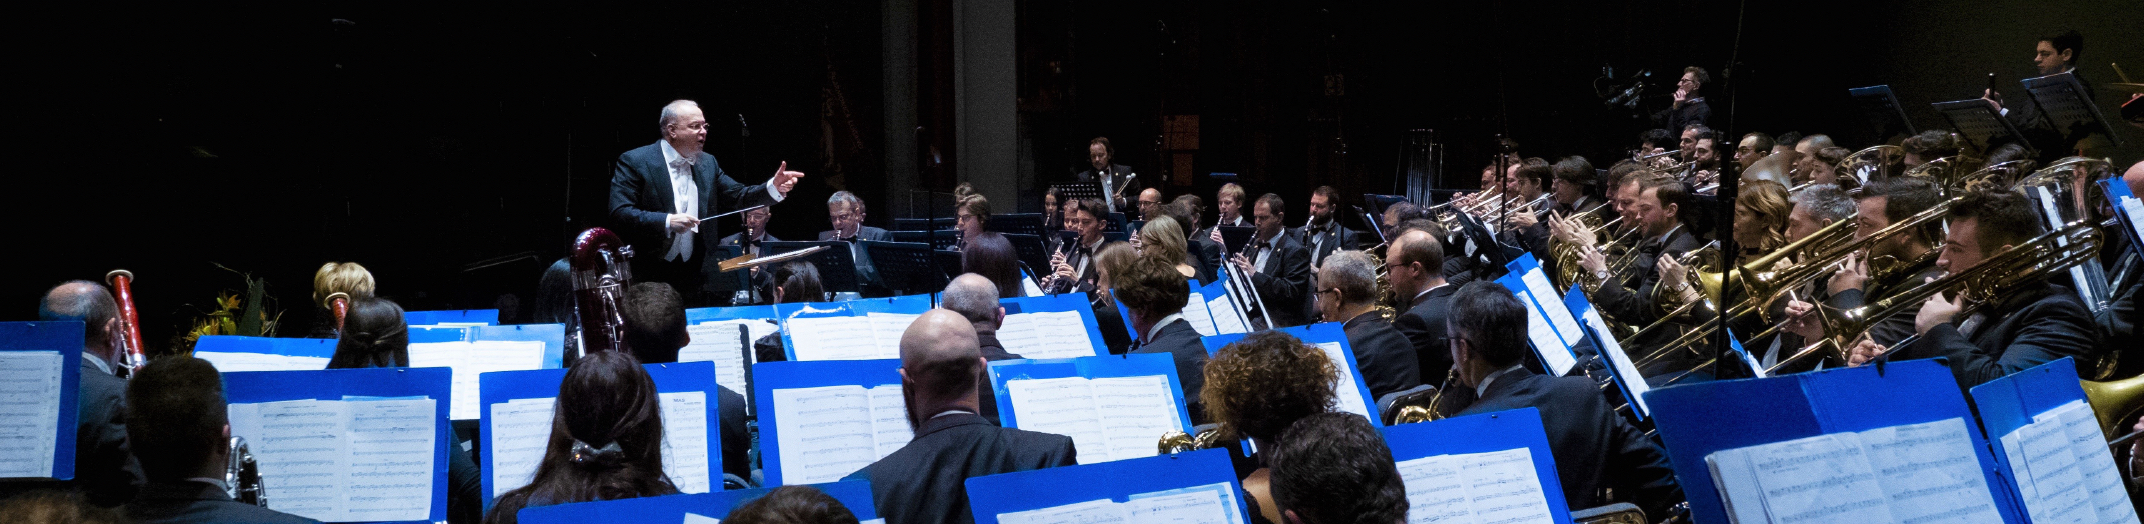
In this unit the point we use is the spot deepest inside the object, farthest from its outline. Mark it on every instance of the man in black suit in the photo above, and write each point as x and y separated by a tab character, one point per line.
1155	294
1072	268
1880	204
1201	253
975	298
2053	54
1347	291
660	191
1595	450
925	482
846	211
181	428
1656	206
105	471
1277	266
656	330
1690	107
1414	265
1119	185
1323	234
748	242
2036	323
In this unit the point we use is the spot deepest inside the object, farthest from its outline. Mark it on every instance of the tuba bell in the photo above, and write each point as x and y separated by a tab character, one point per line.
242	475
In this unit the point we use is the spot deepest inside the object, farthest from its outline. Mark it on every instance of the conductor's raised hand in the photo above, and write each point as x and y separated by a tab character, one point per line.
784	179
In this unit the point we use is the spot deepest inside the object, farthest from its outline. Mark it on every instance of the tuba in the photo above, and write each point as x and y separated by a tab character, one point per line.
134	357
242	475
601	273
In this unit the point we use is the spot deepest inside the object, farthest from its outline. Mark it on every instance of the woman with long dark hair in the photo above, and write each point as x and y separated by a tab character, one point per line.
989	254
373	336
606	440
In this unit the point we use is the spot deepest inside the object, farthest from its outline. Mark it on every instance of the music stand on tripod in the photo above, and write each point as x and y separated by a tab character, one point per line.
908	268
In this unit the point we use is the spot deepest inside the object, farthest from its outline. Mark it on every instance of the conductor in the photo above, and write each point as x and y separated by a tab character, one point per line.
659	193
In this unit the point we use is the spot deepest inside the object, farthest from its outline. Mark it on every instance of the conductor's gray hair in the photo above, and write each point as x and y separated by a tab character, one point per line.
670	112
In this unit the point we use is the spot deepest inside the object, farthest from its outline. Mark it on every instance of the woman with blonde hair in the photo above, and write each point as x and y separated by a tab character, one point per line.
1164	239
347	279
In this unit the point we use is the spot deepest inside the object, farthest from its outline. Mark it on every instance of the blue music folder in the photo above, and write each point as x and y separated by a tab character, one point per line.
1075	302
63	339
1484	433
853	494
2009	403
502	386
1335	332
1117	481
458	316
1696	420
1133	365
770	376
253	387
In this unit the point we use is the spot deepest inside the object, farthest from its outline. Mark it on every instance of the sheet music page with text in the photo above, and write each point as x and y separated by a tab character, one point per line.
1135	412
833	338
1930	473
889	420
1227	320
30	394
1200	317
718	342
825	433
1063	406
1346	391
886	329
520	434
1502	486
392	446
1825	478
1436	493
685	440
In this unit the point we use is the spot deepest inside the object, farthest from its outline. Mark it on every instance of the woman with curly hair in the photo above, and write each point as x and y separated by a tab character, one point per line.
1256	388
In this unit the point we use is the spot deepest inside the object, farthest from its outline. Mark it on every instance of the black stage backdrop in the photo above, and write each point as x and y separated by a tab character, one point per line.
454	149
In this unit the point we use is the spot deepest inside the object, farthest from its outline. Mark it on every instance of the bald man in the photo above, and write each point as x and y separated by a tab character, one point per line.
925	482
105	470
975	298
1415	267
1149	203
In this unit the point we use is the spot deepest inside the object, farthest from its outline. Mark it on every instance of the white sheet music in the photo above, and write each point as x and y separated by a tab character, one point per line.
1555	354
1559	316
1195	507
1028	285
1633	384
1222	493
833	338
1826	478
344	461
1502	486
520	433
886	330
1436	492
1112	418
1047	334
2102	480
826	433
30	391
1207	504
685	440
470	359
227	362
1930	473
1925	472
1226	319
2064	469
719	342
1346	391
695	518
1090	512
1200	317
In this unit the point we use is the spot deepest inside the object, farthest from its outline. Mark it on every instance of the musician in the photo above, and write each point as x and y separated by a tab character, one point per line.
1576	186
1053	218
1149	202
1323	234
1348	293
793	281
1595	449
1822	167
1653	141
1116	179
1277	265
1786	142
1187	209
2035	323
1394	214
754	234
1256	388
1154	294
1689	107
1414	266
376	336
1656	208
181	428
347	278
1705	163
606	440
1929	145
1165	241
1334	468
976	299
105	472
2118	321
1073	267
1815	206
925	482
1910	258
993	257
792	505
659	192
1753	147
1811	144
1229	201
846	211
1761	212
971	216
1688	143
2052	54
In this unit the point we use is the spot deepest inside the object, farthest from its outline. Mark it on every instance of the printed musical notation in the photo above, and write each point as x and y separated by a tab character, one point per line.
361	460
826	433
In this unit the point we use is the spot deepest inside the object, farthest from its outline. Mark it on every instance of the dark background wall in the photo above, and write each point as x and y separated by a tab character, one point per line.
455	149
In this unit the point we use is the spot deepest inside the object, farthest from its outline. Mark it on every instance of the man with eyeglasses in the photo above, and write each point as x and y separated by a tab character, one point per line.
659	193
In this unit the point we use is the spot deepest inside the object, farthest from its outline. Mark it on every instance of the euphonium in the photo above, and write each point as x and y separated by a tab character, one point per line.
602	271
242	474
134	357
2117	403
1870	164
1177	442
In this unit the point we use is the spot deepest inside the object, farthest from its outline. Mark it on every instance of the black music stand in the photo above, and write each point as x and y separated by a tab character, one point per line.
1886	117
1134	226
722	285
2064	104
1115	236
923	224
1378	203
1978	122
940	239
1114	224
949	263
1235	237
1078	190
1030	250
905	267
1016	223
836	264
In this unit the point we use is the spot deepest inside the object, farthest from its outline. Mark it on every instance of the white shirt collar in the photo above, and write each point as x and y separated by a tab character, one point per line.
1480	389
1156	328
1432	288
671	156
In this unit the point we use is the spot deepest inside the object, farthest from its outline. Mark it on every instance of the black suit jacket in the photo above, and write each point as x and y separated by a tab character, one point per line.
1179	340
862	233
1594	448
1384	356
1335	237
1892	329
925	482
737	239
1423	325
186	502
1089	277
2034	326
1628	297
1693	111
641	201
104	468
1284	285
1120	182
993	351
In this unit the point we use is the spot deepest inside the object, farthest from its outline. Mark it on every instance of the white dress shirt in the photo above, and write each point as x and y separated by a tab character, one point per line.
685	199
